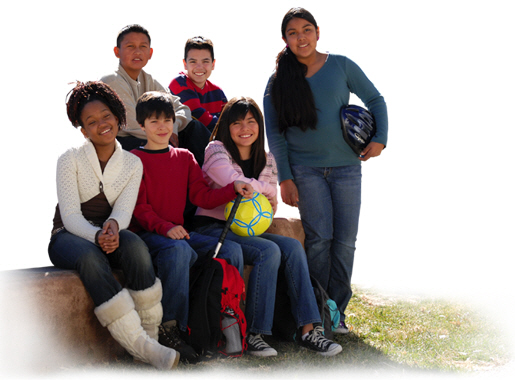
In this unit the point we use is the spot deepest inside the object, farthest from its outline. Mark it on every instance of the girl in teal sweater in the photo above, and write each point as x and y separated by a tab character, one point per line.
318	172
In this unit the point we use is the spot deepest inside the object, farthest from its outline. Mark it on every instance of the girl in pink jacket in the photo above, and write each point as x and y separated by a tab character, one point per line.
237	152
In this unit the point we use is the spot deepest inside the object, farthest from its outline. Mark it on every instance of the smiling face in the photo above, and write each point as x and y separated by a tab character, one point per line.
199	64
244	133
134	53
301	36
158	131
99	124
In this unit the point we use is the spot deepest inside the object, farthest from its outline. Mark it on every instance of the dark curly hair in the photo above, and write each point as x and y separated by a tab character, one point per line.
83	93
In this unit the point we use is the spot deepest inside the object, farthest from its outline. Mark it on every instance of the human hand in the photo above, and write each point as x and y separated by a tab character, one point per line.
289	193
373	149
273	203
174	140
243	188
108	237
178	233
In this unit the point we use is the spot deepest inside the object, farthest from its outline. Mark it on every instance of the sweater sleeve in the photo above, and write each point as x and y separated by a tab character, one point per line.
276	140
126	201
218	166
69	199
202	195
370	96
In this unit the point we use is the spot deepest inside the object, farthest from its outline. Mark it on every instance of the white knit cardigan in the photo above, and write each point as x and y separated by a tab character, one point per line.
80	178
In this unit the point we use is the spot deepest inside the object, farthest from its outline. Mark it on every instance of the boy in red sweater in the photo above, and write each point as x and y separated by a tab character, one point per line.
170	176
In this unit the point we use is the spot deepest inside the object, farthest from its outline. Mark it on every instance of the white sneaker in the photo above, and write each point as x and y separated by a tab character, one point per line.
258	347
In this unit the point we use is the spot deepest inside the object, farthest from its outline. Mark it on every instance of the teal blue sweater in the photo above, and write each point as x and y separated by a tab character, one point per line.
325	146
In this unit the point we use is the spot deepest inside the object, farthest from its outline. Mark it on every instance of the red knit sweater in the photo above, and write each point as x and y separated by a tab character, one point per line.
169	176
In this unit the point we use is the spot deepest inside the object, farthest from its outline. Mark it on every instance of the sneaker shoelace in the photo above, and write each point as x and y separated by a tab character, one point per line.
171	335
258	342
318	339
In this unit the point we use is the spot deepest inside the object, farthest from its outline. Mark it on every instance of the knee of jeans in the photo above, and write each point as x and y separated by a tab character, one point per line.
272	256
92	263
232	252
180	255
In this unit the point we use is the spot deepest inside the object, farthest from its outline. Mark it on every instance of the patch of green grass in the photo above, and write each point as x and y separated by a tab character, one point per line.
427	333
387	334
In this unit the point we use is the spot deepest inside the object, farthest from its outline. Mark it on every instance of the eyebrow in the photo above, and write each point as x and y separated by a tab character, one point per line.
308	24
90	116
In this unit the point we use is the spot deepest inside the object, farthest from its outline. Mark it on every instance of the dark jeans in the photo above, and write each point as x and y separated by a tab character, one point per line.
69	251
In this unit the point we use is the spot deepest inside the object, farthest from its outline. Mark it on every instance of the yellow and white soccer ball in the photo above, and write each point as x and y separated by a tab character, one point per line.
253	216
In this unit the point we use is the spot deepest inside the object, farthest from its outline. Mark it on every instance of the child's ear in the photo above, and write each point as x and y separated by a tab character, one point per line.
214	61
84	132
184	62
117	51
151	52
142	127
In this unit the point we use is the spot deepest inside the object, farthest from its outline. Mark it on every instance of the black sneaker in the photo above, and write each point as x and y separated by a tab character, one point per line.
258	347
169	337
316	341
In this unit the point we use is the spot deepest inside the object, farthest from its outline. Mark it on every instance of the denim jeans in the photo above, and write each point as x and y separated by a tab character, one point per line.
266	253
330	202
173	260
69	251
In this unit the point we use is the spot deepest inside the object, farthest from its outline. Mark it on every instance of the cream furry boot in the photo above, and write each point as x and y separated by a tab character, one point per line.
147	303
124	324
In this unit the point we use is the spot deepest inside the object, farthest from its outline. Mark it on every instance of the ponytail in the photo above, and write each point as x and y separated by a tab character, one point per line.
291	94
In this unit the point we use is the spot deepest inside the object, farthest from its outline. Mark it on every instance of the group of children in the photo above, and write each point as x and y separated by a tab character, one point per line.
127	210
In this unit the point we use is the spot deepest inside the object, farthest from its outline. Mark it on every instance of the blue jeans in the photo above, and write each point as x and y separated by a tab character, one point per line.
69	251
173	260
330	202
266	253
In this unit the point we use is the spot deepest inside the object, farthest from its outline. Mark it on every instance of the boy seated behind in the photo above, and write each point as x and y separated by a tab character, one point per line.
170	176
204	99
130	81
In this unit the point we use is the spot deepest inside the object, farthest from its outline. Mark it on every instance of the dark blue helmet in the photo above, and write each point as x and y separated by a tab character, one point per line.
358	127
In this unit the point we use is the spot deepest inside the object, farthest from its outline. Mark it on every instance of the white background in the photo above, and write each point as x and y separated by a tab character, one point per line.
437	213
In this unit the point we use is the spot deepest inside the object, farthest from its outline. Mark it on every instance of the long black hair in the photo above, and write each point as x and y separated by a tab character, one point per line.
291	95
236	109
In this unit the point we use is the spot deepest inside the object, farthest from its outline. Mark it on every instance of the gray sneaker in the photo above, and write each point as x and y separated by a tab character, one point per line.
341	329
258	347
316	341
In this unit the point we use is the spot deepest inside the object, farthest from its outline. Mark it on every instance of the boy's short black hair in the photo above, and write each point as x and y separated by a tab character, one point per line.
199	43
154	103
133	28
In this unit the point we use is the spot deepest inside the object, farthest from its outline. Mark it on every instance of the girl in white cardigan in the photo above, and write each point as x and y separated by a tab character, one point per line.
97	186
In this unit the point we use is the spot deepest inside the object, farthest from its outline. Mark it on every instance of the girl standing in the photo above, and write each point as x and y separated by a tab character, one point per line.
97	186
318	172
237	152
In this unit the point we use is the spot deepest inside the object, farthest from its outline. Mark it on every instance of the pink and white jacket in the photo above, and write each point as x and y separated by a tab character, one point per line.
219	169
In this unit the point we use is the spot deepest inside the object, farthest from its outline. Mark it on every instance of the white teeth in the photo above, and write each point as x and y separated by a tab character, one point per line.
107	130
